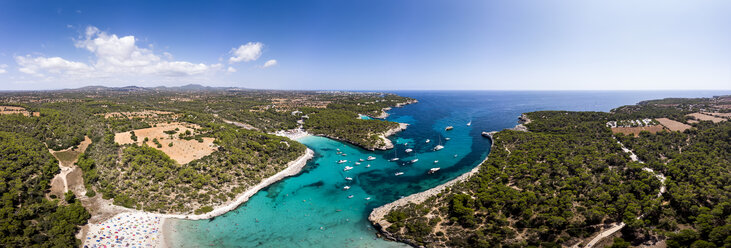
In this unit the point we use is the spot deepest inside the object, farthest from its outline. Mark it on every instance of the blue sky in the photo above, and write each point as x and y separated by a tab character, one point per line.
368	45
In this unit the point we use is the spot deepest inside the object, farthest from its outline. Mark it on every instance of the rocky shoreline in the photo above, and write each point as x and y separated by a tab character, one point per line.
384	114
387	144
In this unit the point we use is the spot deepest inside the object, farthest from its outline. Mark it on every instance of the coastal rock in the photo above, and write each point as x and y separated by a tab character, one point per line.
387	144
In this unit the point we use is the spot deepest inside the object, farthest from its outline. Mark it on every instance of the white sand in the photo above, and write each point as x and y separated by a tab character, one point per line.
142	229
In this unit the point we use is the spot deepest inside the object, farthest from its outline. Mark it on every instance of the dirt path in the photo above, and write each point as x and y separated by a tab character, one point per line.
616	227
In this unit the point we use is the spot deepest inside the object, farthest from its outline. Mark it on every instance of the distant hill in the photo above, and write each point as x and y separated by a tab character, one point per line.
184	88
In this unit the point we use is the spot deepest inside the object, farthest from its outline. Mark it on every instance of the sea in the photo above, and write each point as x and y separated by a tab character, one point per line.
313	208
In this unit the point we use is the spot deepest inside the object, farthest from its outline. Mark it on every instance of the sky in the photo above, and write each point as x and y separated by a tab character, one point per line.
368	45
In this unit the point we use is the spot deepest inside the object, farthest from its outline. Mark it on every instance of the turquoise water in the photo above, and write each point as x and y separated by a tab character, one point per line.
313	210
365	117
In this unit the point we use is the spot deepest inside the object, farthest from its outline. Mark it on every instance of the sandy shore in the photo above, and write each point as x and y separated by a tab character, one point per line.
142	229
293	134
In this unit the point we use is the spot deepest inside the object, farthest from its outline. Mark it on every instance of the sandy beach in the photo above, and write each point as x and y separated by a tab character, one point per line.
134	228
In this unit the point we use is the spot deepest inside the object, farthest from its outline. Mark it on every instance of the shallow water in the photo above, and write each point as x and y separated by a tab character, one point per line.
313	210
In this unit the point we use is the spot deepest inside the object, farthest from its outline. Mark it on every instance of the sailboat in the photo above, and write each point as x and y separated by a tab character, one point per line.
395	156
398	173
440	146
469	123
427	141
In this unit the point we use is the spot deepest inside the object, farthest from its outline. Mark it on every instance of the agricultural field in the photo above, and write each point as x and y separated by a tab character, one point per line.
174	139
636	130
673	125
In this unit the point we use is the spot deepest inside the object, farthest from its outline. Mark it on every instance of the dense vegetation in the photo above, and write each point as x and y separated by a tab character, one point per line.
29	218
144	178
557	184
346	126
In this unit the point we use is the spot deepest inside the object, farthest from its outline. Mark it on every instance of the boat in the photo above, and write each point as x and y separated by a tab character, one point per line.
338	149
438	147
345	154
357	163
432	170
368	198
455	155
347	168
350	196
338	153
361	160
371	158
447	138
427	141
436	161
368	165
409	150
415	160
448	128
342	161
469	123
395	155
346	187
398	173
349	178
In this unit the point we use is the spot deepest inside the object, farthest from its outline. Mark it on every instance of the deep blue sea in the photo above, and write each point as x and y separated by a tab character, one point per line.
313	209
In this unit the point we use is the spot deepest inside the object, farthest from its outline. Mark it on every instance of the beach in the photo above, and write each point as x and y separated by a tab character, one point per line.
134	228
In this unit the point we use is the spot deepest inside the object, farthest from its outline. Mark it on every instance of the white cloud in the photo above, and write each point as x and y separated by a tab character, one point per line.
56	65
2	68
115	56
247	52
271	62
231	69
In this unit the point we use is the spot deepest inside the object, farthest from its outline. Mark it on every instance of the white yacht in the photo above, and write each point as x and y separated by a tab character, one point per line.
394	159
455	155
368	198
447	138
438	147
361	160
349	178
415	160
342	161
357	163
448	128
398	173
436	161
350	196
368	166
346	187
347	168
371	158
432	170
469	123
427	141
409	150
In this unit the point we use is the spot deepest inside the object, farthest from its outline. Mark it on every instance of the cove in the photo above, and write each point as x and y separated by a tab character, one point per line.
312	209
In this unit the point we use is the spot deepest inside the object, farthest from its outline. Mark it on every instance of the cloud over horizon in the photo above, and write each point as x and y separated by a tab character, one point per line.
122	56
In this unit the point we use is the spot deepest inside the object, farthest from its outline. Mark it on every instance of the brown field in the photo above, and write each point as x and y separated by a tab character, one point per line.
139	114
703	117
636	130
182	151
8	110
673	125
722	115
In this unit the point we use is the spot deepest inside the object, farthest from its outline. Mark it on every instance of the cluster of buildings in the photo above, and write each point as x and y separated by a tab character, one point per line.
632	123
